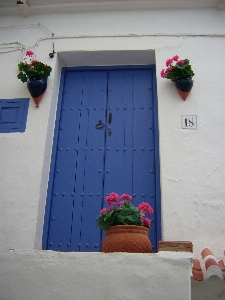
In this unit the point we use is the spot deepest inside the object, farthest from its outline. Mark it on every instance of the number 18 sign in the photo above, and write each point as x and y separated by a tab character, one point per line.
189	122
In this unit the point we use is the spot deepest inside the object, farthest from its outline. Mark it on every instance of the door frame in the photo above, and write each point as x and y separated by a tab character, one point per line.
55	139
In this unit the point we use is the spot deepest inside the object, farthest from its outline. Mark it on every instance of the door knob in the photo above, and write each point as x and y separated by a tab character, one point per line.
100	125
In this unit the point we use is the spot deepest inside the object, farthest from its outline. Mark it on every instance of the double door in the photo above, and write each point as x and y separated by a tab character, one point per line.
104	142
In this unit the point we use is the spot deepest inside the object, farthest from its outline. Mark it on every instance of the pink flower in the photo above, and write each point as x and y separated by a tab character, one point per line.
126	197
120	203
162	73
112	199
146	222
169	69
145	208
175	58
29	53
180	62
102	211
34	61
169	61
110	208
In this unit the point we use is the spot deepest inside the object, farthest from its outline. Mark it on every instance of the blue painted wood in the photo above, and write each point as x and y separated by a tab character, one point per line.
89	176
13	114
157	196
131	144
59	235
89	163
143	161
49	200
118	167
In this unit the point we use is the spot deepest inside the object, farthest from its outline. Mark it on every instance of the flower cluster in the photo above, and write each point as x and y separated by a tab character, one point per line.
30	68
177	69
145	208
121	211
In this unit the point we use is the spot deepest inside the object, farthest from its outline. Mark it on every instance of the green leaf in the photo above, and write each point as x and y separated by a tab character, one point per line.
34	70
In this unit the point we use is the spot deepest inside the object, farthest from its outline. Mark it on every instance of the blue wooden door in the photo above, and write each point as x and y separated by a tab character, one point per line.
105	141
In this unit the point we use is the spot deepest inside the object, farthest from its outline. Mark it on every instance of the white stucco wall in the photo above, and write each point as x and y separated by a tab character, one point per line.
192	161
41	275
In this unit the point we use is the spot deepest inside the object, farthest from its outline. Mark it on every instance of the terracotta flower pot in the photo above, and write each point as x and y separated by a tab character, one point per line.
37	87
127	238
184	86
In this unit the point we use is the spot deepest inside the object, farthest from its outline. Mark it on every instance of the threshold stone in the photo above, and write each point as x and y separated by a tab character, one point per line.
177	246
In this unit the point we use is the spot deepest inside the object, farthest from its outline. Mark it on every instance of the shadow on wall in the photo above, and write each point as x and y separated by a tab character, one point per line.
212	289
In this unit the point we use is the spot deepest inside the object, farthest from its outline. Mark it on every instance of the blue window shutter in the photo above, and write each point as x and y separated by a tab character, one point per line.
13	114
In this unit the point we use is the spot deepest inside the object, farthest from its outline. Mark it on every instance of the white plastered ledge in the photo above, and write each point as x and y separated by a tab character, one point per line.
43	275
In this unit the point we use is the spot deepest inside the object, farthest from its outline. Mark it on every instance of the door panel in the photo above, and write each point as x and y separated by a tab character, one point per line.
118	166
130	148
91	161
85	234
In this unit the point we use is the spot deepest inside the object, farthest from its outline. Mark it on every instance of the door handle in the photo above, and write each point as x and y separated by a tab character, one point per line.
110	118
100	125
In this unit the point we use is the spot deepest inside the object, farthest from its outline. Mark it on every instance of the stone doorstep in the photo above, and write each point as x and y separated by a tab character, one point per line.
177	246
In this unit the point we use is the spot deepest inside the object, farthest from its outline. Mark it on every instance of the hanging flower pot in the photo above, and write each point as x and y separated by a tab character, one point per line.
35	73
37	87
127	238
179	72
184	86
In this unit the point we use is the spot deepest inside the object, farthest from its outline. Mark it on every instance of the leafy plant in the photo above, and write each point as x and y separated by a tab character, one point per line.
177	69
30	68
122	212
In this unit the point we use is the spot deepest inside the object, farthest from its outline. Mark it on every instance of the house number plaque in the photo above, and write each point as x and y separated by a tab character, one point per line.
189	122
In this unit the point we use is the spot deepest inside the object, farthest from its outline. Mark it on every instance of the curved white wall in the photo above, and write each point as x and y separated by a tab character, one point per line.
192	161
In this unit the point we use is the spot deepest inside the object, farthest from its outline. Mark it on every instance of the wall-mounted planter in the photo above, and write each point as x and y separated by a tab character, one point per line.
184	86
180	72
37	87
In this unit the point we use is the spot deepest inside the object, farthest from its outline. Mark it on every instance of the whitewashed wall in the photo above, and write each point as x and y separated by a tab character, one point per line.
192	161
41	275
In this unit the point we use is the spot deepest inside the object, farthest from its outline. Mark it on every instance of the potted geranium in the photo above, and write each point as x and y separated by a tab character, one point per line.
180	72
125	225
35	73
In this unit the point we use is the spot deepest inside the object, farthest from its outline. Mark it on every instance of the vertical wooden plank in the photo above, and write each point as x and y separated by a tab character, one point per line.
86	236
143	158
157	195
118	167
65	166
130	148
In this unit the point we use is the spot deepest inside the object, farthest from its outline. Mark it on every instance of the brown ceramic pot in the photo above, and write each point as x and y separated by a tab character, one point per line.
127	238
184	86
37	88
